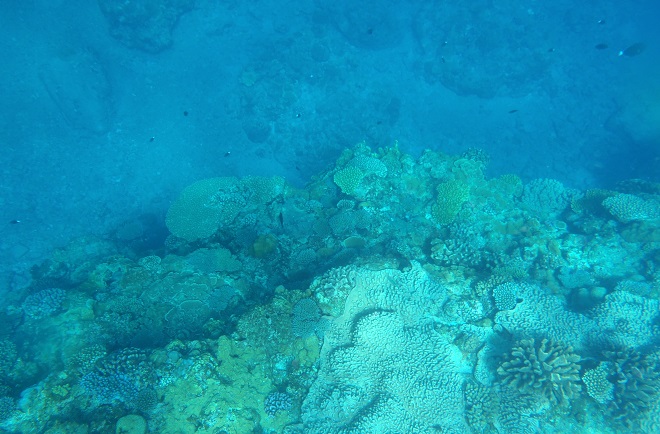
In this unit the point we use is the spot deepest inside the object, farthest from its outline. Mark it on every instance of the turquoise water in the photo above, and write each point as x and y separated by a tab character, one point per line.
384	217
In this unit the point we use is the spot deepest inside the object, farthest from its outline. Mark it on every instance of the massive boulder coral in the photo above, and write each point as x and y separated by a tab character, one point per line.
628	319
545	196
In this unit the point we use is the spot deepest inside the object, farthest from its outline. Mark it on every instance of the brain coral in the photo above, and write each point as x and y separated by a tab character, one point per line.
202	207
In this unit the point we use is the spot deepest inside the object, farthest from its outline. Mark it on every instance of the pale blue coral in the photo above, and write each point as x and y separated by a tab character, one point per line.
627	207
385	329
545	197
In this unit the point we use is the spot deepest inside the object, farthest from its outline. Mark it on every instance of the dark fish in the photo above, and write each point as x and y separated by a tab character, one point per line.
14	222
633	50
227	154
513	111
185	112
281	219
151	139
600	46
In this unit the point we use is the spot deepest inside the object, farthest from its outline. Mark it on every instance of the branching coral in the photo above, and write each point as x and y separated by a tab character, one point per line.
636	383
548	368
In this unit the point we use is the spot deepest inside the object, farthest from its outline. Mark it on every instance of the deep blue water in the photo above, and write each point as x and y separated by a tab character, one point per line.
329	77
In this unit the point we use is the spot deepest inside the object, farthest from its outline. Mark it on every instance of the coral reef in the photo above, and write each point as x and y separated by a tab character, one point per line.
201	207
7	407
380	297
348	179
124	377
481	407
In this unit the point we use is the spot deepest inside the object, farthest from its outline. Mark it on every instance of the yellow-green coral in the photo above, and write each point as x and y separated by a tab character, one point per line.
199	210
348	179
225	391
451	196
369	165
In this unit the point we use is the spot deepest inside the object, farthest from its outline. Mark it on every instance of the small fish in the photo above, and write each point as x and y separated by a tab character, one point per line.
14	222
601	21
633	50
151	139
601	46
227	154
513	111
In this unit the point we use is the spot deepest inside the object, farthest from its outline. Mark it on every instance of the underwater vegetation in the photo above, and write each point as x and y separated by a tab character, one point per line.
391	294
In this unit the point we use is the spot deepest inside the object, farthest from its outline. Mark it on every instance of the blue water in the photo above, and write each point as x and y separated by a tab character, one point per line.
110	109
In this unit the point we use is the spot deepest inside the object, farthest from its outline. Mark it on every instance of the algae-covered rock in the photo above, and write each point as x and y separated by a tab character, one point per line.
131	424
